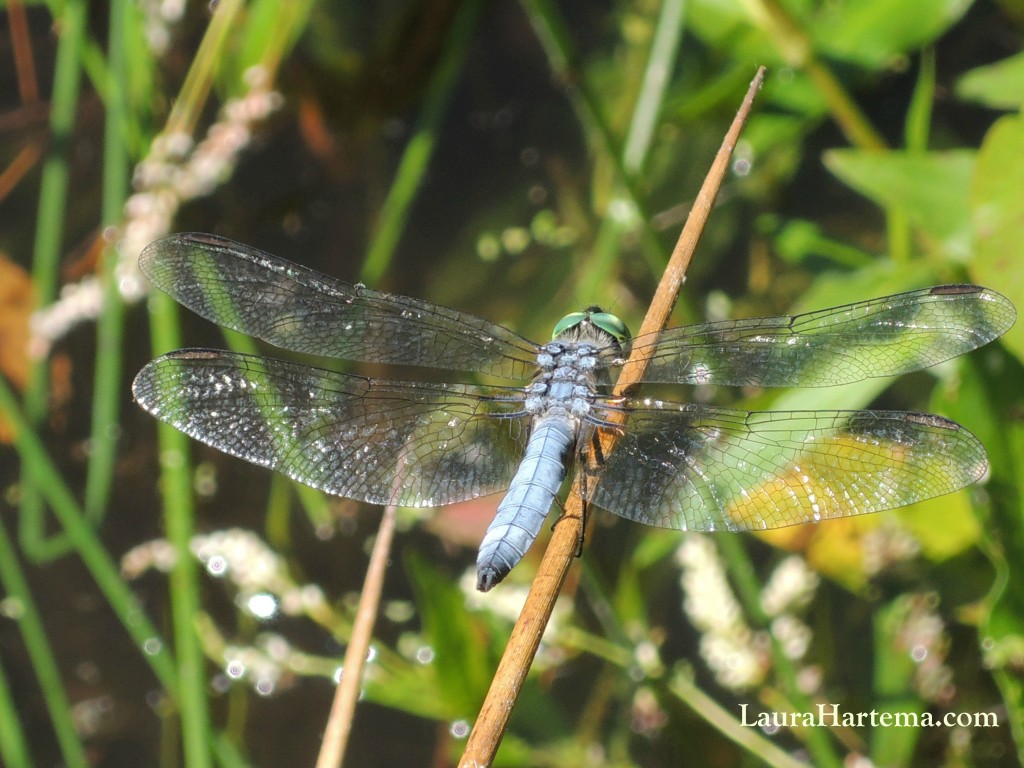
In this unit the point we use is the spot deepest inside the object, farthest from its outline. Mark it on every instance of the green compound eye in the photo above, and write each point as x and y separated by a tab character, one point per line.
567	322
610	324
606	321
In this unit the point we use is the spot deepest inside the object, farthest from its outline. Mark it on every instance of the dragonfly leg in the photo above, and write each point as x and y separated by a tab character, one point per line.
583	526
598	454
587	472
585	507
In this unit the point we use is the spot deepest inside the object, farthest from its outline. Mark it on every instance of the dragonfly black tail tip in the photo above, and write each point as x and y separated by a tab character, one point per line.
487	577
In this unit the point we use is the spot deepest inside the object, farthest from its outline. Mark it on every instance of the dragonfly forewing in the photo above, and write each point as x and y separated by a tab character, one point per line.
881	337
384	442
700	468
299	309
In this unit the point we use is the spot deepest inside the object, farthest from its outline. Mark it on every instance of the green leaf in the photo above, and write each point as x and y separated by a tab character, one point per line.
893	682
988	402
874	32
457	637
930	188
999	85
945	527
997	210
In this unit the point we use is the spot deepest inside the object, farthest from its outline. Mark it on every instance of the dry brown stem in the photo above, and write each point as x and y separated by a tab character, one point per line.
526	635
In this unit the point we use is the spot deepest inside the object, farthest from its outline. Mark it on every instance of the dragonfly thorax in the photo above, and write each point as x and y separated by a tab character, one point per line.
571	367
568	375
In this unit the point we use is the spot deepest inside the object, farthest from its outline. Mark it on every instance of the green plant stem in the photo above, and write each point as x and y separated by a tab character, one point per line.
179	514
919	114
636	149
192	96
916	130
40	471
53	196
746	737
109	330
668	33
13	748
44	664
279	26
418	152
798	50
553	34
749	590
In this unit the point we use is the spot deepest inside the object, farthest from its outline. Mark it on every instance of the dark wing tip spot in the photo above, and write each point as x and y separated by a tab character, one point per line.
955	290
931	420
195	354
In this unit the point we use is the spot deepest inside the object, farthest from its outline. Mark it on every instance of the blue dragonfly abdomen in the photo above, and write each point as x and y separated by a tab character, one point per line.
522	512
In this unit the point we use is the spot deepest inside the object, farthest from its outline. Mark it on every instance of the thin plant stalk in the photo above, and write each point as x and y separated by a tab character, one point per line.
420	149
41	472
110	328
746	737
189	104
339	721
53	197
553	34
668	34
522	646
639	139
44	664
13	746
176	489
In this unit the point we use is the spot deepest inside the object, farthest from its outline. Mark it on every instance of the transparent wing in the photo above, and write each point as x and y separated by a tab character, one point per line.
881	337
699	468
413	444
296	308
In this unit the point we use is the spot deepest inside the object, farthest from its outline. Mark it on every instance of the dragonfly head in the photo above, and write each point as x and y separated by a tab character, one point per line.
594	324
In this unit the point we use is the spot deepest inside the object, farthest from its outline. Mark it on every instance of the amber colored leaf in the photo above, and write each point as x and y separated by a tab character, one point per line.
15	308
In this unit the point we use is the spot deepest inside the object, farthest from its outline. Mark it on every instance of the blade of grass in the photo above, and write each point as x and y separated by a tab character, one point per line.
664	50
40	471
746	737
13	748
109	329
272	29
919	114
53	197
668	33
192	96
39	468
44	664
418	152
818	741
553	34
179	516
522	646
916	131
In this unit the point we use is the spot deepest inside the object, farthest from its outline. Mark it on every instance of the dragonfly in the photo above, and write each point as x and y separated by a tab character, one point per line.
680	465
